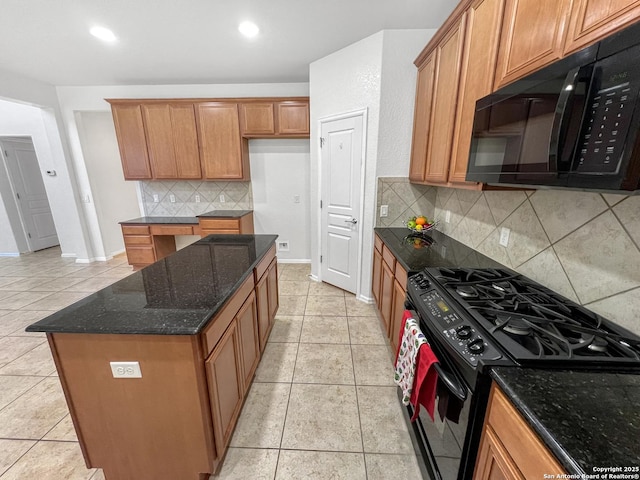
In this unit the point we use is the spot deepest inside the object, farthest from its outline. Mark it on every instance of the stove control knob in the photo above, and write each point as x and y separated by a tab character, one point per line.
476	345
463	332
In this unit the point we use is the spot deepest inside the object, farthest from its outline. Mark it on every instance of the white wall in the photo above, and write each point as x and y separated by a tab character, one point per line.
76	100
376	73
114	198
20	119
280	171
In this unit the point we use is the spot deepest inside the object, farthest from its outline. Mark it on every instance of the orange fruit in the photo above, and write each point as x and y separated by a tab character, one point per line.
421	220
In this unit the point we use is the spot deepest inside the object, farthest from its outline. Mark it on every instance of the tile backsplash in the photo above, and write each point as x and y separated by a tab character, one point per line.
404	200
583	245
237	196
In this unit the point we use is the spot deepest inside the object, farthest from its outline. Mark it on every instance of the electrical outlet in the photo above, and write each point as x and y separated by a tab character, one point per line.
296	199
384	210
125	369
447	216
283	246
222	200
197	198
504	236
172	198
156	198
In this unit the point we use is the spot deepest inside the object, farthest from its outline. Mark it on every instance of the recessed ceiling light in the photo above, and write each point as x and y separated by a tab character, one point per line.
248	29
103	34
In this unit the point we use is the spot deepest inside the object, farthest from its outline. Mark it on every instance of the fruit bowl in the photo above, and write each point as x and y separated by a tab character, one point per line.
420	225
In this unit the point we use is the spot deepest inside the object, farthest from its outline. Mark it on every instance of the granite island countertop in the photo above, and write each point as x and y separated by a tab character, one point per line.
177	295
437	250
586	419
186	220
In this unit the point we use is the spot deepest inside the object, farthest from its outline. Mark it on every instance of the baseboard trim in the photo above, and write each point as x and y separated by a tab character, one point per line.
9	254
294	260
68	255
365	299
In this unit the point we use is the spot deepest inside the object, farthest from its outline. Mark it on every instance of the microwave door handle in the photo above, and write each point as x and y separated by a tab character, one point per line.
559	118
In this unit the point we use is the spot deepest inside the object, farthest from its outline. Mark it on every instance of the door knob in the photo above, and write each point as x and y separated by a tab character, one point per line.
353	221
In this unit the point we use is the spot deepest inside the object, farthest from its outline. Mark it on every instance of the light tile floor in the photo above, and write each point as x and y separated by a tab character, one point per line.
322	404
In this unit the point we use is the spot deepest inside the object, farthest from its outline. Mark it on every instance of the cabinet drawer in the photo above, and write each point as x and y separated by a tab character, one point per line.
377	243
171	230
524	447
388	257
265	262
401	276
216	327
204	232
137	240
220	224
135	229
141	255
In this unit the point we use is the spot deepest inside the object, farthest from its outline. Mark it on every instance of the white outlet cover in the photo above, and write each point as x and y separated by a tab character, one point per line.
447	216
156	198
197	198
125	369
504	236
222	200
384	210
283	246
172	198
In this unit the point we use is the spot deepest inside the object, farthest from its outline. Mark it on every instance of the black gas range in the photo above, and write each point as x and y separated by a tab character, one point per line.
478	318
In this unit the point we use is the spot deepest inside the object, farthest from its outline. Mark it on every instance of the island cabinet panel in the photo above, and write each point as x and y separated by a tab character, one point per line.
224	373
223	152
266	294
532	36
172	140
250	343
132	141
509	448
592	20
124	425
272	281
262	300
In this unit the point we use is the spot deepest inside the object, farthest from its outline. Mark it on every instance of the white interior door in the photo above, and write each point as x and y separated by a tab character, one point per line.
341	157
31	196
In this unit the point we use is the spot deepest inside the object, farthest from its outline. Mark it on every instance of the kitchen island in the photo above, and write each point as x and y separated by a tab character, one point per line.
190	329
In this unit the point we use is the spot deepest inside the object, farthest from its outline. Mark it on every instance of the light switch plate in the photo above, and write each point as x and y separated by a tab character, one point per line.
504	236
172	198
447	216
125	369
384	210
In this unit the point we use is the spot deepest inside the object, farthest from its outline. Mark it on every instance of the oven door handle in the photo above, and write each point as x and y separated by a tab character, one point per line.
451	382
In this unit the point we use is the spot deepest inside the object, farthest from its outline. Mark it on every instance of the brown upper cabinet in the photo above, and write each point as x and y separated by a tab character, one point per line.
200	138
132	141
288	118
172	140
593	19
532	37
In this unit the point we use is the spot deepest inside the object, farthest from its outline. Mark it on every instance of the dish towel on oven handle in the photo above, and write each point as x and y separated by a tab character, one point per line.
414	368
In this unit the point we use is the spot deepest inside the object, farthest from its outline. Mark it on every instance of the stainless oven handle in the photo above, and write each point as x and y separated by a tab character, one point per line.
450	380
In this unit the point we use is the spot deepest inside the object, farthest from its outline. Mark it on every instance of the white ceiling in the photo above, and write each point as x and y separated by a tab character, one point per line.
192	41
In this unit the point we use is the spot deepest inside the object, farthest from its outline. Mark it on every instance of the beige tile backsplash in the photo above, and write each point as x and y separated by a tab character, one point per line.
583	245
237	196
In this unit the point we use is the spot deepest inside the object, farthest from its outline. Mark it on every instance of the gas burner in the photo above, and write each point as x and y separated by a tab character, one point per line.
467	291
598	345
502	286
515	326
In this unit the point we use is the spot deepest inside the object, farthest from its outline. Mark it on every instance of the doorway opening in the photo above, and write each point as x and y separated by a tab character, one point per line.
24	196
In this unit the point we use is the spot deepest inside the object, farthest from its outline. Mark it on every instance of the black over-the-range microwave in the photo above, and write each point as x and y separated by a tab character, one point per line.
574	124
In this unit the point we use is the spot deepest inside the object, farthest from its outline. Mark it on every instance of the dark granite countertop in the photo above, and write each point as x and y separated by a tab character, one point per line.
443	251
587	419
177	295
187	220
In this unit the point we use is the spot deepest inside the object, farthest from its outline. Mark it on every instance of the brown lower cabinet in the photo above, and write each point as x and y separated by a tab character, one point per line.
389	290
509	448
176	421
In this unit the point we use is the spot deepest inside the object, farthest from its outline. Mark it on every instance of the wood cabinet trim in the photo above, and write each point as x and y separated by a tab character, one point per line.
263	266
178	101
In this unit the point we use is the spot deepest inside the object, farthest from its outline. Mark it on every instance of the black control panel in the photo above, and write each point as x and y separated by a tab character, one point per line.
453	326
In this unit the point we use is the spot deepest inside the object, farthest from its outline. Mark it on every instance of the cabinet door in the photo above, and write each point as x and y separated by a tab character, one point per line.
377	275
484	18
532	37
592	20
386	296
272	281
494	462
422	119
249	343
292	118
224	376
262	299
445	93
172	141
257	119
131	141
222	149
397	311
